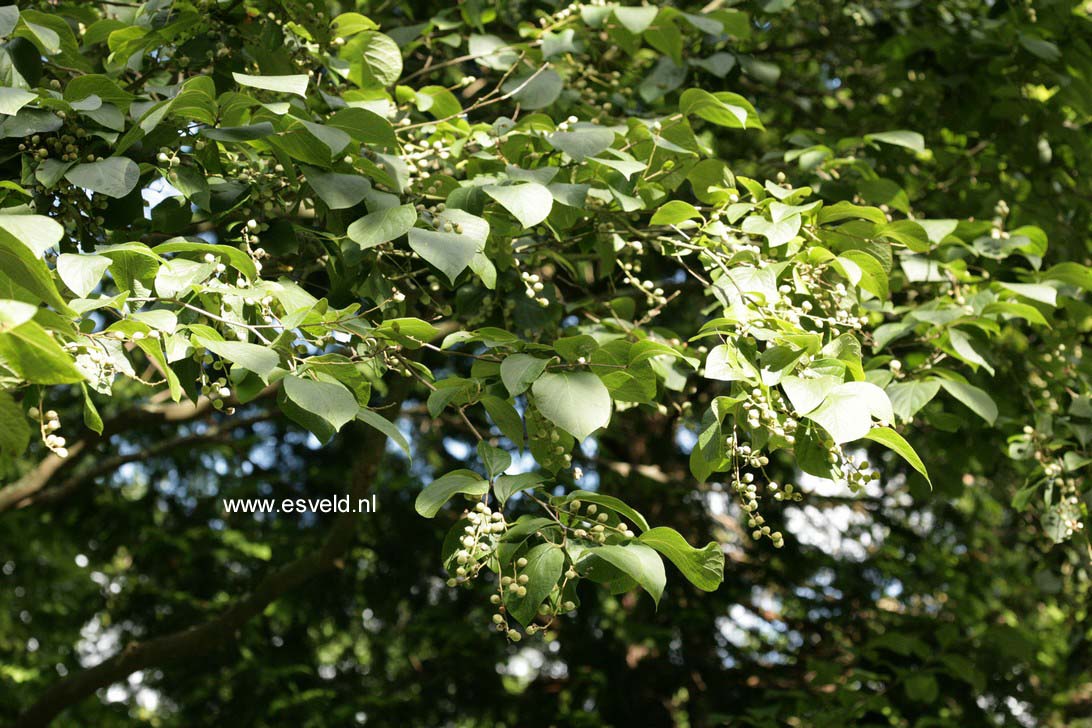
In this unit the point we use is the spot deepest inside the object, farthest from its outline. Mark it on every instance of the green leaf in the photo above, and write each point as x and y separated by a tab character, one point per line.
97	85
14	313
412	333
626	167
177	275
636	19
1074	274
529	202
438	101
577	402
718	64
807	394
1023	496
976	399
366	127
1041	48
1035	291
907	398
239	260
30	351
440	491
37	232
964	350
615	504
338	191
382	226
28	122
519	371
847	412
388	428
901	138
335	140
712	181
258	359
506	486
375	60
703	567
91	416
13	99
723	108
1020	310
293	84
250	133
15	434
505	417
24	268
451	251
113	177
583	142
895	442
777	233
726	363
865	271
675	212
545	563
348	24
535	91
492	51
161	319
81	273
637	561
331	402
495	460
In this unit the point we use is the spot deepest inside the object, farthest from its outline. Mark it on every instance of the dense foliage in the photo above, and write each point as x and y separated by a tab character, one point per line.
611	294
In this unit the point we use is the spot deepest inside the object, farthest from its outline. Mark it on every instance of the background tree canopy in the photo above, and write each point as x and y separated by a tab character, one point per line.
710	364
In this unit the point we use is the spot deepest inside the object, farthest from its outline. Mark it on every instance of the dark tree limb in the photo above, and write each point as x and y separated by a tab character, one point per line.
216	433
17	494
207	637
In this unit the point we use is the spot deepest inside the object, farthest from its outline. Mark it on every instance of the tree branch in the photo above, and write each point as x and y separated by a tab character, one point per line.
220	432
209	636
16	494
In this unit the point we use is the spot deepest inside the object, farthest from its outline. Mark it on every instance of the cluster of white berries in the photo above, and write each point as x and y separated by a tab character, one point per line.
533	286
742	450
217	390
786	492
424	158
567	124
747	490
566	12
93	358
515	587
484	527
855	474
653	293
219	268
1069	488
833	305
592	524
549	445
252	241
763	412
746	485
168	157
49	423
